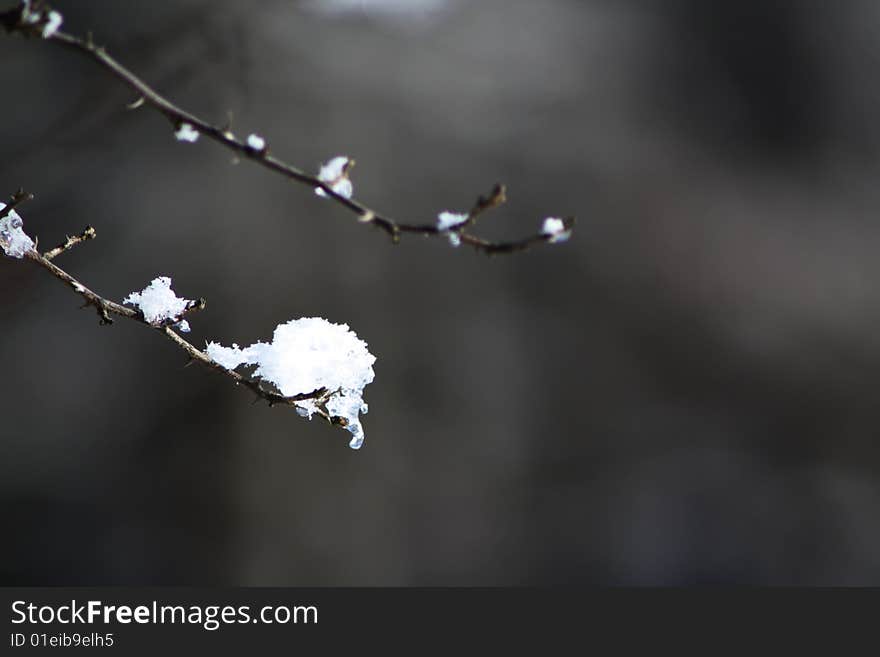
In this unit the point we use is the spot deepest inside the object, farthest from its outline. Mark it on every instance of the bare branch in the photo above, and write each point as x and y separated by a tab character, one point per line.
146	95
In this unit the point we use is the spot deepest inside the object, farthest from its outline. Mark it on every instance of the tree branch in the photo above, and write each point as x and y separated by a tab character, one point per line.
88	234
107	308
13	22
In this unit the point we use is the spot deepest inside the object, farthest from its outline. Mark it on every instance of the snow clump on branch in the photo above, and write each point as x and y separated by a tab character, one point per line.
335	175
13	240
555	229
305	355
447	222
51	20
185	132
256	143
158	303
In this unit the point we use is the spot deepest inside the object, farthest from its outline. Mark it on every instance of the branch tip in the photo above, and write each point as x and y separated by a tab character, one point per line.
71	241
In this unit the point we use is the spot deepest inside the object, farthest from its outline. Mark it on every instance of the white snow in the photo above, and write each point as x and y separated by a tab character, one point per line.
555	229
335	174
28	15
228	357
52	24
158	302
333	169
454	239
186	133
256	142
307	354
13	240
448	220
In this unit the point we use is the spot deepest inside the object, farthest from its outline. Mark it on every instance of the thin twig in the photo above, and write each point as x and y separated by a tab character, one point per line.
146	95
71	241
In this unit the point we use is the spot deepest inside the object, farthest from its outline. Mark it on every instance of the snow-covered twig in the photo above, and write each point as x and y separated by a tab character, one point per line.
188	127
107	308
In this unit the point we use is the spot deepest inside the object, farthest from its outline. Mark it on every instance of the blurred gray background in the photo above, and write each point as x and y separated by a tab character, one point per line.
686	393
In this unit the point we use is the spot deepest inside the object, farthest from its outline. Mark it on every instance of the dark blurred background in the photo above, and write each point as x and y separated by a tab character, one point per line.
685	393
